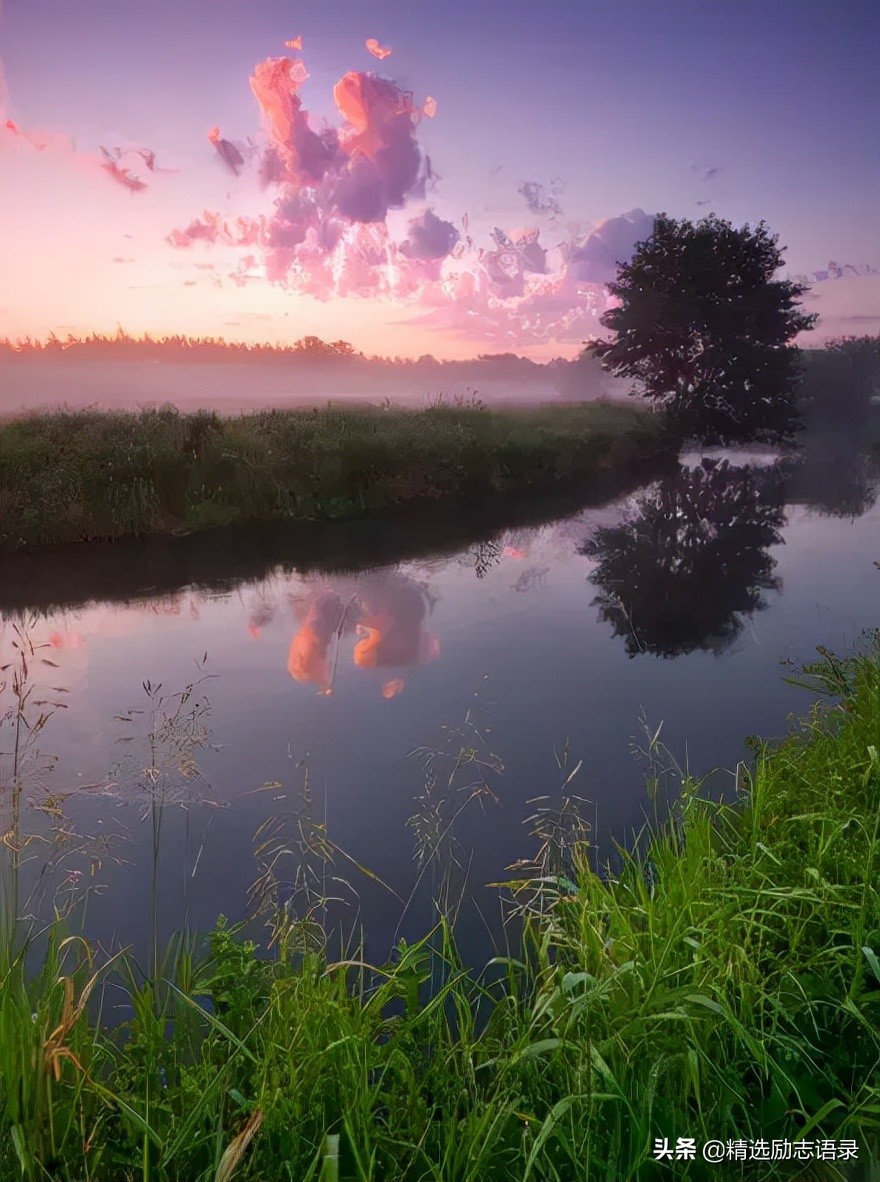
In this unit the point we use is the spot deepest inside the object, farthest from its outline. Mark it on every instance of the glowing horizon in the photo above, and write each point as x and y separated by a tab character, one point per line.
326	193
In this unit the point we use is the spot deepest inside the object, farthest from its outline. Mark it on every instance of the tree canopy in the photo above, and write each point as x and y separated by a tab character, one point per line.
705	329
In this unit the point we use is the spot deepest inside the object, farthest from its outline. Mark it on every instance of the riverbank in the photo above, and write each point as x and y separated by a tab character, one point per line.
722	984
53	577
92	475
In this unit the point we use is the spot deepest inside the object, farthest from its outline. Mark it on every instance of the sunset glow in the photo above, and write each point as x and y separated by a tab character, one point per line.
434	186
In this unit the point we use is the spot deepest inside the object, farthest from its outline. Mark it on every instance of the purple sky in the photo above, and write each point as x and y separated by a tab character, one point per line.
625	105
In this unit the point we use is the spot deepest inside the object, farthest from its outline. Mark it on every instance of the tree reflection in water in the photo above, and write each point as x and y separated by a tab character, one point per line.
836	479
690	562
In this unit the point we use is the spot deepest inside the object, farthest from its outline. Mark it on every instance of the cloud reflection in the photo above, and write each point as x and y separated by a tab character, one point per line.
386	614
308	659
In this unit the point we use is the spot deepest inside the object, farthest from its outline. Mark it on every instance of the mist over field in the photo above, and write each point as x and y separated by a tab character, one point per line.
38	381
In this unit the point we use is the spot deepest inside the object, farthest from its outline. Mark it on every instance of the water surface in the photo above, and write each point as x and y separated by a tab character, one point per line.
676	605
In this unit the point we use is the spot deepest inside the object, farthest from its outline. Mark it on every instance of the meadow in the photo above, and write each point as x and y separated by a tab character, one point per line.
721	980
87	475
102	475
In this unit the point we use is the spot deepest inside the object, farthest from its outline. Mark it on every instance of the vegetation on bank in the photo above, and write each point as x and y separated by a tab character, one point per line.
87	475
720	982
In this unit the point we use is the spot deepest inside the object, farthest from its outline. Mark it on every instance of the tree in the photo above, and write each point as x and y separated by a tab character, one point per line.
704	328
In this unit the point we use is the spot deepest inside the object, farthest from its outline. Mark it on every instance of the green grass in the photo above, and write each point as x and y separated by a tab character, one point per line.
86	475
722	981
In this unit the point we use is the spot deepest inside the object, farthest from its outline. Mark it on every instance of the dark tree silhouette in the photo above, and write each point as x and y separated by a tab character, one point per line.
680	572
839	385
835	478
704	329
838	470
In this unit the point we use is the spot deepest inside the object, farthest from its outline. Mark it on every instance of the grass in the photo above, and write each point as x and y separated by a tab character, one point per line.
103	475
720	981
88	475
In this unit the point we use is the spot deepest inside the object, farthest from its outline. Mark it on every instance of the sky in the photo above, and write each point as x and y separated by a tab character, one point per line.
468	192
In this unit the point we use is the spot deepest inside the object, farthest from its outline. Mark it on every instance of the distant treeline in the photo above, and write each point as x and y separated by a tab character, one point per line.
838	380
122	346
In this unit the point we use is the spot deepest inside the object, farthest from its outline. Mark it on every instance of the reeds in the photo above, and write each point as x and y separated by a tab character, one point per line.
720	981
86	475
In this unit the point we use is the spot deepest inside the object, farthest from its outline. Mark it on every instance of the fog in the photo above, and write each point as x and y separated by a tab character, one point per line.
31	382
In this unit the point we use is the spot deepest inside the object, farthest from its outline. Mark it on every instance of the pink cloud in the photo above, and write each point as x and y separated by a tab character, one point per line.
377	50
327	236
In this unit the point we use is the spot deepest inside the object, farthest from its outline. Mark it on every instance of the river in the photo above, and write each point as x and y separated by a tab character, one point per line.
336	681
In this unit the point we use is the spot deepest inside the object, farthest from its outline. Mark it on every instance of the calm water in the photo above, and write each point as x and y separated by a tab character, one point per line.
675	605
